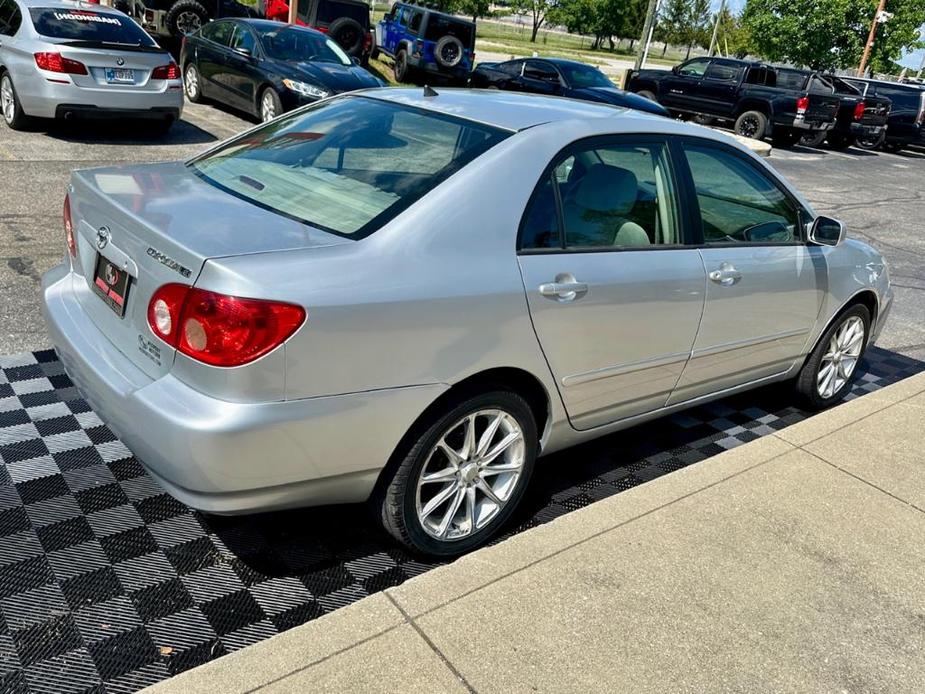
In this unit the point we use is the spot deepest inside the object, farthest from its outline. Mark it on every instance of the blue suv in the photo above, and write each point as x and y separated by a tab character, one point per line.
421	40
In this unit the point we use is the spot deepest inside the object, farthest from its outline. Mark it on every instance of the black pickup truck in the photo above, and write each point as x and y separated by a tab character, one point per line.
906	124
742	92
859	116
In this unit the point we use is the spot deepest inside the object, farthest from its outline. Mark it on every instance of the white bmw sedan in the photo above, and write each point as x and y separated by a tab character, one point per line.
73	59
406	297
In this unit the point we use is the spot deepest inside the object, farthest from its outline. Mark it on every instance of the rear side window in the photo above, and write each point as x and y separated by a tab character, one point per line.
347	165
219	32
10	17
726	73
788	79
87	25
906	99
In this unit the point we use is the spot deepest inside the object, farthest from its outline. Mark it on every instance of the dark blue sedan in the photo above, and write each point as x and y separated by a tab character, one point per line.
266	68
558	77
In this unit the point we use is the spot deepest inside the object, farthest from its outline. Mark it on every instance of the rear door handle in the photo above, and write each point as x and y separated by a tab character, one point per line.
726	275
565	288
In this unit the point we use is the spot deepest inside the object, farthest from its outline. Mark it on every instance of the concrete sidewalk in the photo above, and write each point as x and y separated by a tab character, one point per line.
793	563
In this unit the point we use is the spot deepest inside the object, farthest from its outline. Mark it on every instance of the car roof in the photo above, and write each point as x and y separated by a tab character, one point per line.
507	110
66	5
434	10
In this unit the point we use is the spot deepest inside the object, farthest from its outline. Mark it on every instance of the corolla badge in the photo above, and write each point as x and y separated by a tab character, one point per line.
102	237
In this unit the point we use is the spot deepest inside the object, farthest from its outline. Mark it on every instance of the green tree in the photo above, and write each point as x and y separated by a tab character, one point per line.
538	10
674	23
830	34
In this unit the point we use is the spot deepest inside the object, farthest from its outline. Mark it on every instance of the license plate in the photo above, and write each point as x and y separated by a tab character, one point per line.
120	75
111	283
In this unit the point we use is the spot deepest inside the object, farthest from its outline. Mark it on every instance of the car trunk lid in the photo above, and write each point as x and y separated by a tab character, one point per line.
159	224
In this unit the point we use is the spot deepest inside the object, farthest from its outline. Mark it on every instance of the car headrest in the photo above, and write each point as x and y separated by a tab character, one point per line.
608	189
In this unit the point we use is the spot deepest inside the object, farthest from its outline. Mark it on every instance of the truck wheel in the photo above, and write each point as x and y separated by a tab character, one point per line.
813	139
186	17
870	143
751	124
646	94
892	147
840	141
402	69
449	51
785	137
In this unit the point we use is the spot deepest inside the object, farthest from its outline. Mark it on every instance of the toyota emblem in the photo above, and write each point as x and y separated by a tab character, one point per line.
102	237
120	61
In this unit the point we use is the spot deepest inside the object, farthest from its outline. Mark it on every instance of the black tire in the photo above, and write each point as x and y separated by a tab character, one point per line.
348	34
814	138
183	16
840	141
268	93
871	143
449	51
807	386
18	120
192	83
396	504
785	137
646	94
401	68
892	147
751	124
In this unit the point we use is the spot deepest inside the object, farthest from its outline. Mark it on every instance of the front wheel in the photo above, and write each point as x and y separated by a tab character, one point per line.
646	94
463	476
270	105
826	376
402	69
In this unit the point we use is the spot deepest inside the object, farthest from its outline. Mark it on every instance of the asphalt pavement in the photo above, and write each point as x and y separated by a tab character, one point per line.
880	196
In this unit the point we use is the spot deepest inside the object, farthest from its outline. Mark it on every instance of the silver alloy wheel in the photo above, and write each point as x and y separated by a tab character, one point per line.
470	474
191	82
7	99
839	362
188	22
267	107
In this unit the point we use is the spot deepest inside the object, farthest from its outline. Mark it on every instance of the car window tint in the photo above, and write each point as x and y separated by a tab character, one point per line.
243	39
727	73
347	165
541	223
415	23
439	25
88	25
694	68
219	32
513	68
737	202
791	79
538	70
10	17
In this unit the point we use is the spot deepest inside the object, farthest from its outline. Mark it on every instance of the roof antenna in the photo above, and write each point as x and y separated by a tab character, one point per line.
429	91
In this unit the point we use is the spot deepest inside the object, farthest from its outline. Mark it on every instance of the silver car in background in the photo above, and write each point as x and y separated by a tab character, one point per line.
406	297
69	59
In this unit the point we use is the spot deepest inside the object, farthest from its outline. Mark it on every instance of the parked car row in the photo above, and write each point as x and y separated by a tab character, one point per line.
788	105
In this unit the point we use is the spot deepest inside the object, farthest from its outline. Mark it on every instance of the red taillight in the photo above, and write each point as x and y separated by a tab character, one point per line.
55	62
802	104
859	110
166	72
217	329
69	228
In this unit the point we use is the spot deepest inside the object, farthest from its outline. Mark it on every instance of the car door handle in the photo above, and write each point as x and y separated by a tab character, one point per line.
565	288
727	275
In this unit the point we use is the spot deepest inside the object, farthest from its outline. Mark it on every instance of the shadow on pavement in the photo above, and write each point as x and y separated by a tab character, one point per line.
130	132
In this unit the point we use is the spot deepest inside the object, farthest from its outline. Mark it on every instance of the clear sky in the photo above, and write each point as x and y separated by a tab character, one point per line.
912	60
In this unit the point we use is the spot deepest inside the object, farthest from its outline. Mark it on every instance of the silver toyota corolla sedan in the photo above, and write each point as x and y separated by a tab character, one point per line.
67	59
405	298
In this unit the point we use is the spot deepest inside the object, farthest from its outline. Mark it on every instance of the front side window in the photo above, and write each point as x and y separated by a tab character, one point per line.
694	68
415	23
243	40
512	68
607	197
89	26
347	165
738	203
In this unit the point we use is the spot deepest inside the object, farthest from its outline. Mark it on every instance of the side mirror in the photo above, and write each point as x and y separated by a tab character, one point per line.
826	231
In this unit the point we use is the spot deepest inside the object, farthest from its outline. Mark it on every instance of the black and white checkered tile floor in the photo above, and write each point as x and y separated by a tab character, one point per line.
107	584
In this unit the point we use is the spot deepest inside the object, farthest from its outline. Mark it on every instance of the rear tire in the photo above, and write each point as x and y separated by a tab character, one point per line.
871	143
453	512
13	115
814	139
840	141
835	357
751	124
192	83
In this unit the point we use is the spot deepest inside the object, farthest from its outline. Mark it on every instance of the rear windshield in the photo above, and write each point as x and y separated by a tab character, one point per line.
347	165
86	25
439	26
329	11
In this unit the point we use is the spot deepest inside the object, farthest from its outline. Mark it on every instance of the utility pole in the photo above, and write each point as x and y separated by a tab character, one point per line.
719	15
921	67
647	28
293	11
879	18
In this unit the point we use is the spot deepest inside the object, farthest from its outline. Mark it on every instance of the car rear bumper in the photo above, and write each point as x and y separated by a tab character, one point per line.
43	99
865	130
225	457
803	124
